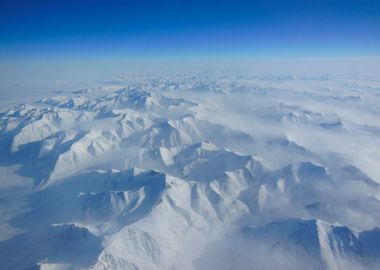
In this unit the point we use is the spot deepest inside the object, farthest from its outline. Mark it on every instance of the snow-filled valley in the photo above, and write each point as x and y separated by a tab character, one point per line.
194	170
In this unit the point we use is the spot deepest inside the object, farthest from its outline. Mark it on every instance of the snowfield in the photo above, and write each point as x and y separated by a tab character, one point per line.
194	170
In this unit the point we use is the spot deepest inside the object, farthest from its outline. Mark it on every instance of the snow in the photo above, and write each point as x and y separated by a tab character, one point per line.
196	170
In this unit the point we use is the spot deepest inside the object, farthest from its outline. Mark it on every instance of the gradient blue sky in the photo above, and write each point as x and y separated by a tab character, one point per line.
116	28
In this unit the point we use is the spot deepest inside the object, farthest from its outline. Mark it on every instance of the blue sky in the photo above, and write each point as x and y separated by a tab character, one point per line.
117	28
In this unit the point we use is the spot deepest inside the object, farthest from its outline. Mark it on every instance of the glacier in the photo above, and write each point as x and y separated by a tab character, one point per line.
194	170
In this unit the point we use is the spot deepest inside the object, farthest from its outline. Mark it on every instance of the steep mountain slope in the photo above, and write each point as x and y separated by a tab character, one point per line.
301	243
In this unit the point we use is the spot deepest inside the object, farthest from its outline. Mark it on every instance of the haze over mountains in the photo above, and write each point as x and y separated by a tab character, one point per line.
221	169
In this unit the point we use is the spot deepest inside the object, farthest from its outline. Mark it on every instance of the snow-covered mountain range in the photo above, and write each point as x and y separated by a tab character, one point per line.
194	171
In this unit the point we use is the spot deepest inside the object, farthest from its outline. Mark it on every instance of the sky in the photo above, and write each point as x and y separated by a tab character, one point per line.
167	28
